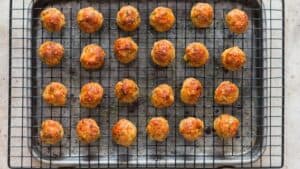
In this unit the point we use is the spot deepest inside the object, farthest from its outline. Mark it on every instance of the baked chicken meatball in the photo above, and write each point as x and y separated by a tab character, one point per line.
89	20
91	95
237	21
127	91
191	91
128	18
51	132
226	126
87	130
226	93
51	53
196	54
158	129
162	96
191	128
233	58
202	15
163	53
92	57
162	19
52	19
55	94
124	132
125	50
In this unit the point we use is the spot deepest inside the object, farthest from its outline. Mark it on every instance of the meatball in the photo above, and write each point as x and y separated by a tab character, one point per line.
52	19
127	91
158	129
226	126
128	18
51	132
226	93
191	91
51	53
124	132
87	130
202	15
196	54
91	95
89	20
55	94
92	57
162	96
237	21
163	53
191	128
233	58
125	50
162	19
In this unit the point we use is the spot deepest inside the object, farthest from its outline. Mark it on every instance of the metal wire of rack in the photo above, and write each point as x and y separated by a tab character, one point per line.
260	143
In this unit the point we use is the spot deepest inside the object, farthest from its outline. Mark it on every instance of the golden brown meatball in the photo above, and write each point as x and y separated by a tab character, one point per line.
226	93
237	21
127	91
163	53
124	132
158	129
233	58
196	54
128	18
87	130
191	91
51	132
89	20
52	19
55	94
202	15
191	128
162	19
162	96
51	53
226	126
92	57
91	95
125	50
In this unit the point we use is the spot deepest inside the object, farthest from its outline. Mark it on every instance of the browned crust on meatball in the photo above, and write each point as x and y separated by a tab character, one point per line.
233	58
158	129
162	19
162	96
124	132
87	130
125	50
191	91
91	95
237	21
92	57
89	20
163	53
191	128
128	18
55	94
202	15
196	54
226	126
51	53
127	91
51	132
226	93
52	19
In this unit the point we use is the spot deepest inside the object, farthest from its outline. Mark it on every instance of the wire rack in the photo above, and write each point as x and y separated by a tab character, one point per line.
260	108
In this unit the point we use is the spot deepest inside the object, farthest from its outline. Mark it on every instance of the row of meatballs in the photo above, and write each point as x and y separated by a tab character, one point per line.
128	18
127	92
124	132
